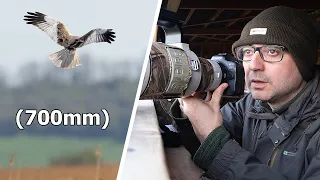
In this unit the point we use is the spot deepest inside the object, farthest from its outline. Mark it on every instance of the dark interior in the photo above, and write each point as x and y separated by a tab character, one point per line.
210	27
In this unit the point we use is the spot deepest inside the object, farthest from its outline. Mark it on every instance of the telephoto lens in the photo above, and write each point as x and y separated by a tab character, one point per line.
174	71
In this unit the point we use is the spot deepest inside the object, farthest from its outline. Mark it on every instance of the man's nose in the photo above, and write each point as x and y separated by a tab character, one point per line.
256	62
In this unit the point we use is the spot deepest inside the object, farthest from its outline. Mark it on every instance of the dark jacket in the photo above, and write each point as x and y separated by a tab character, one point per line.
257	143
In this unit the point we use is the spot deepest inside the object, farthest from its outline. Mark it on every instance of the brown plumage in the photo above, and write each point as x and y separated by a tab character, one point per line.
57	31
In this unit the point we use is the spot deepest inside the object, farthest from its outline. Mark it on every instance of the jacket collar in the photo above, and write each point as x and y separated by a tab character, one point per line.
302	106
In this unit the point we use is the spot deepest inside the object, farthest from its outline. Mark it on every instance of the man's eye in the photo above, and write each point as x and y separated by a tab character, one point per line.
247	51
273	51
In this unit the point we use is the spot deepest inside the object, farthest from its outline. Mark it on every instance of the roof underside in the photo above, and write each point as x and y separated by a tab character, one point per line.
210	27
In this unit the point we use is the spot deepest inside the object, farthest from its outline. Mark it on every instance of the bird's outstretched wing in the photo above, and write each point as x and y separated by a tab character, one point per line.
53	27
96	36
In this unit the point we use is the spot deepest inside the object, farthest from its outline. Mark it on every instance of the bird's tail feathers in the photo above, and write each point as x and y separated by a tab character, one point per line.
65	59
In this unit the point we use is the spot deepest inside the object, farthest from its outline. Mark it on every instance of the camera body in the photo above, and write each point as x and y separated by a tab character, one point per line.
174	71
232	73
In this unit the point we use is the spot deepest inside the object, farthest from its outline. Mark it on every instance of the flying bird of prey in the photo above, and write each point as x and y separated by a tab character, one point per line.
67	57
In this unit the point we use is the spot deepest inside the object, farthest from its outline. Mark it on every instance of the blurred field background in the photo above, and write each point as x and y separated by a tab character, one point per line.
108	78
62	173
73	147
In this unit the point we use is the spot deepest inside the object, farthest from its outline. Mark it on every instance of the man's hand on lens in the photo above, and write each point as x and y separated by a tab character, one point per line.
204	115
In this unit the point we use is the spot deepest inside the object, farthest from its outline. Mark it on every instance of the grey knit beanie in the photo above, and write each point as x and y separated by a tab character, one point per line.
296	30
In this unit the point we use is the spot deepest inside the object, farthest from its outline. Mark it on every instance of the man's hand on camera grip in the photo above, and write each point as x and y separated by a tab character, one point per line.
204	115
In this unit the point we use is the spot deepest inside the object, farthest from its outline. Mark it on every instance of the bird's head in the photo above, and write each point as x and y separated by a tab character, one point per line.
74	39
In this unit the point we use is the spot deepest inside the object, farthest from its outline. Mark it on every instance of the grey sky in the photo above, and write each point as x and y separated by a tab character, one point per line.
131	20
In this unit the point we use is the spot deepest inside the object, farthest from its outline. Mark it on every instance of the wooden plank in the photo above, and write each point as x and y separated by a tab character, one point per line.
214	17
213	22
211	31
145	158
245	5
189	16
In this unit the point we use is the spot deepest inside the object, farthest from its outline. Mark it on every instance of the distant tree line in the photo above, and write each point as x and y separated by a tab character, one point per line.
87	88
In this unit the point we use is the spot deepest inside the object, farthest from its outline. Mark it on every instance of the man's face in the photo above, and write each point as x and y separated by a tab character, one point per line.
273	82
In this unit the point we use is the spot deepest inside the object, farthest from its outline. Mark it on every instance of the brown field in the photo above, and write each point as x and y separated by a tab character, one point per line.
87	172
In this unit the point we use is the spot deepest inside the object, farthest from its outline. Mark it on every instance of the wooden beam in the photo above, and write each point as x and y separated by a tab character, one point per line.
245	13
212	22
246	5
191	39
189	16
209	39
210	44
214	17
218	39
229	36
211	31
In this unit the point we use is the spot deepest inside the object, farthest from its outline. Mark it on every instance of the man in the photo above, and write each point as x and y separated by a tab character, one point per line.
274	131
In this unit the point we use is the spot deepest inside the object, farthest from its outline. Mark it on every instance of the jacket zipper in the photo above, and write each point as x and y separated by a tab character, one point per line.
254	137
275	152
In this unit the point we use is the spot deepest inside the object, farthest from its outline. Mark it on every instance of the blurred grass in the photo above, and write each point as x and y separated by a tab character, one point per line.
35	151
